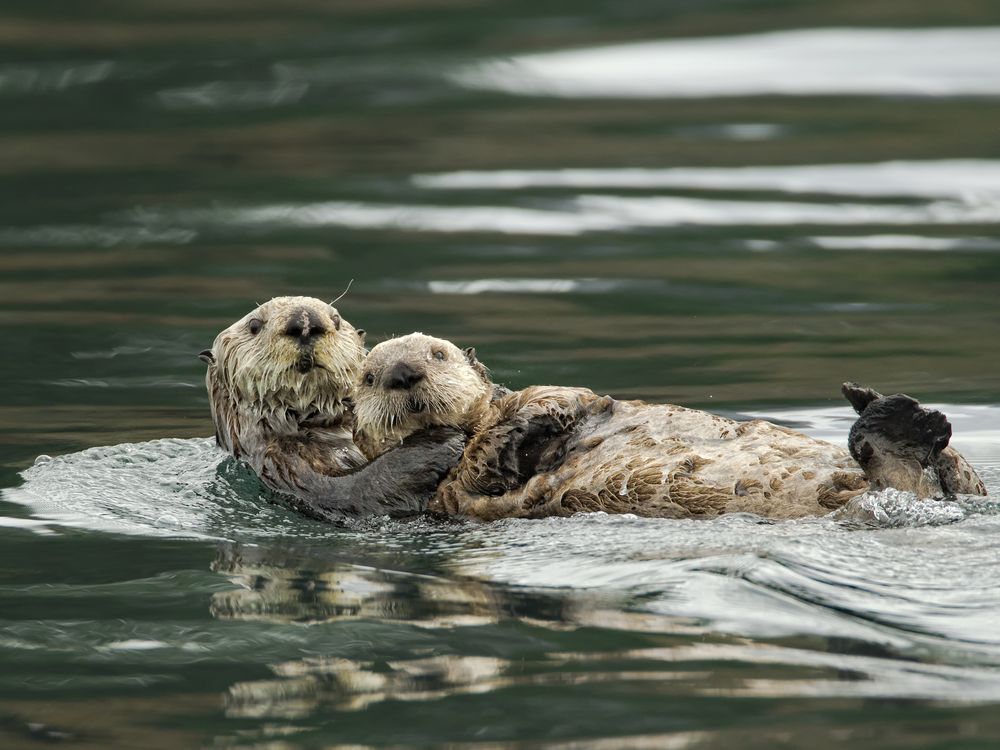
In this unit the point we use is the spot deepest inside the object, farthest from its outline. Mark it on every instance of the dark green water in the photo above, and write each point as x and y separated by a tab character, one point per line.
737	224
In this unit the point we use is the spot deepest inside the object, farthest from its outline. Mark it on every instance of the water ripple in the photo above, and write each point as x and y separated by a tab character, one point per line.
233	95
575	216
80	235
868	62
931	178
912	578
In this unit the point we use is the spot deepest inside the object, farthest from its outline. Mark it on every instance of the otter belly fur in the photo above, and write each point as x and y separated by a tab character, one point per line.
554	451
599	454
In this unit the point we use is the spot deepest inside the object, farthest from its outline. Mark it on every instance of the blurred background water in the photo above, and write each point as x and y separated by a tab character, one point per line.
729	204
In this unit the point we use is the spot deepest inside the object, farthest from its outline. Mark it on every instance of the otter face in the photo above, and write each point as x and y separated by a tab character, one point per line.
413	382
292	359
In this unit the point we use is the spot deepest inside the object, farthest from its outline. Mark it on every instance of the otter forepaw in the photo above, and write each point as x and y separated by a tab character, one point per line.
441	448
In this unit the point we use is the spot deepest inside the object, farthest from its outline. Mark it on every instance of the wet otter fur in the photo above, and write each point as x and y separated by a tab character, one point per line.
414	382
554	451
279	382
900	444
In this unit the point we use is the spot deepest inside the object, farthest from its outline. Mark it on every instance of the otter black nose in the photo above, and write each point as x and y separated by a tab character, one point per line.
304	325
402	376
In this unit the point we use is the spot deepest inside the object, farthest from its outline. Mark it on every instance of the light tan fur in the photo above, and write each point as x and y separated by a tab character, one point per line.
281	407
554	451
651	460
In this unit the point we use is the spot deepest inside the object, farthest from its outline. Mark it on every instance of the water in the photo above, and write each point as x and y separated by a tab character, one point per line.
657	202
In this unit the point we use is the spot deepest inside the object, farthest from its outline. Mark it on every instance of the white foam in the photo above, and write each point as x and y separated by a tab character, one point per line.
839	61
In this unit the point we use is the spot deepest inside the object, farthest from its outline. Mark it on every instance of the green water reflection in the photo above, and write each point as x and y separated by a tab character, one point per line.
134	140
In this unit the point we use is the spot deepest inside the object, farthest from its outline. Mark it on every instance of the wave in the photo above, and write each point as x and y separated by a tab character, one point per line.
916	577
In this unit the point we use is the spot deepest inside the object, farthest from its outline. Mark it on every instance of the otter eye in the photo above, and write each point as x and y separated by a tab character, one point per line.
438	355
369	379
255	325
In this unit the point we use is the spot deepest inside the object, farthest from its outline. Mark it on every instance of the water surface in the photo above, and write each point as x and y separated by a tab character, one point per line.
732	206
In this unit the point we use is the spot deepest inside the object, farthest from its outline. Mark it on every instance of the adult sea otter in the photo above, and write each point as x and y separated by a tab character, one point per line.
554	451
279	383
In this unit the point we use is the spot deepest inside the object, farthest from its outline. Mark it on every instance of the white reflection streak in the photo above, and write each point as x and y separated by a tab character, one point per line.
81	235
905	242
499	219
668	211
924	62
587	213
950	178
233	94
505	286
53	76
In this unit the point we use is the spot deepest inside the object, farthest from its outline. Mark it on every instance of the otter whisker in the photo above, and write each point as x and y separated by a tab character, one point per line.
343	293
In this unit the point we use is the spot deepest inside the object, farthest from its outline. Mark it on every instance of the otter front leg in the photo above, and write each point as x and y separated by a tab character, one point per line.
399	483
530	436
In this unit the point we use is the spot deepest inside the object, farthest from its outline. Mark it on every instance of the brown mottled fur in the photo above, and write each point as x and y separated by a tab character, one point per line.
283	407
554	451
651	460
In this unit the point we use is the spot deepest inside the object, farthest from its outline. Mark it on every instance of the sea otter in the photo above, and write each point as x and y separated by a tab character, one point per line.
279	381
554	451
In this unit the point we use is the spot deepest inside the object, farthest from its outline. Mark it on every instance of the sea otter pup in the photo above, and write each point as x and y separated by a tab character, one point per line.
279	382
553	451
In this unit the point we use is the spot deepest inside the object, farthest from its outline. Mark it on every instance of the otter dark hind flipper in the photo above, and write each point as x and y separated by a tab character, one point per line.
859	396
895	439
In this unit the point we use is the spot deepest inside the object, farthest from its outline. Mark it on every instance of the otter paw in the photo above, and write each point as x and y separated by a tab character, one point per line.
441	448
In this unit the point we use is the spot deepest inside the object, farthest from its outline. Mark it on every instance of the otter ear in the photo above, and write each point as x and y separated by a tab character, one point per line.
361	334
207	356
475	364
336	322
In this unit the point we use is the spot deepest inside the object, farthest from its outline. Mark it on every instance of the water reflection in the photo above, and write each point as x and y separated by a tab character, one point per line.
869	62
53	77
273	587
515	640
570	217
89	236
969	179
164	164
233	95
906	242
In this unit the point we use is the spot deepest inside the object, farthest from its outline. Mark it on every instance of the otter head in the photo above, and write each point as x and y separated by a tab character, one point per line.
413	382
287	366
